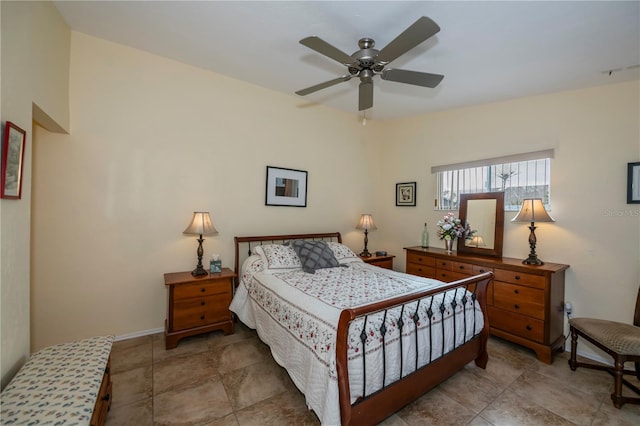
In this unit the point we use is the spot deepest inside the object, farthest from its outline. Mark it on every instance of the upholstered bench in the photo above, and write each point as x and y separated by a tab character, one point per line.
62	384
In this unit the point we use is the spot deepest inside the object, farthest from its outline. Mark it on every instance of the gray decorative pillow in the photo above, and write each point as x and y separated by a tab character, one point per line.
314	255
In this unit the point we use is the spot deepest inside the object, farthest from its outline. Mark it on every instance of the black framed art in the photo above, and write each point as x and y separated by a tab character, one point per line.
633	183
406	194
286	187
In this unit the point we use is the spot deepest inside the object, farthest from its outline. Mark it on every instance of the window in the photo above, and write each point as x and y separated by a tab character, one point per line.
518	176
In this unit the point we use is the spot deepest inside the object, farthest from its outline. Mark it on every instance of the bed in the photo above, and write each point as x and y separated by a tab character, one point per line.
359	341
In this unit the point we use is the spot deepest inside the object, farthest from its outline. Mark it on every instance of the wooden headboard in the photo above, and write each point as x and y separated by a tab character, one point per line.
275	239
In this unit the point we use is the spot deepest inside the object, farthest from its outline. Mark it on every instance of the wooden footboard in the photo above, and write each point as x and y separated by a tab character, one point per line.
373	408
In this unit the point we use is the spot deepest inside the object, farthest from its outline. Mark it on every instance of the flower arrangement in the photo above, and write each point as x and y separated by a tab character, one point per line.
450	227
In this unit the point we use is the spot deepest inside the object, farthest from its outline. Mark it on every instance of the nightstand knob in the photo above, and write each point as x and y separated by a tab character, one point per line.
203	289
529	327
202	303
516	306
516	291
201	317
517	277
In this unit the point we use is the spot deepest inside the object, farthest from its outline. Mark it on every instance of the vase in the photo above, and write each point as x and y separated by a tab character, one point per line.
448	245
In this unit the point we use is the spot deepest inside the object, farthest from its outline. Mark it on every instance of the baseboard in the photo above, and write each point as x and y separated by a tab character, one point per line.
138	334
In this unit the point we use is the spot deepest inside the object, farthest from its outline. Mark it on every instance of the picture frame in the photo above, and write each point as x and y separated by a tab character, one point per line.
13	145
286	187
633	183
406	194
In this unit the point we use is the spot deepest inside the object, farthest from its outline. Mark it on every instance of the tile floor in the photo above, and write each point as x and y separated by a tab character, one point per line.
218	380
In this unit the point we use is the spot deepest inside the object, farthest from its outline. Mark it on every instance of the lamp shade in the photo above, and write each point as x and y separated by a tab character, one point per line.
200	225
476	241
366	222
532	210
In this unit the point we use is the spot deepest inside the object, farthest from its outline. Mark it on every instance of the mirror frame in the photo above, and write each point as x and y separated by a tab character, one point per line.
499	229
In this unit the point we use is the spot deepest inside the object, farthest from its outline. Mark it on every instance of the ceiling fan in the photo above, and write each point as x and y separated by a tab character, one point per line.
369	62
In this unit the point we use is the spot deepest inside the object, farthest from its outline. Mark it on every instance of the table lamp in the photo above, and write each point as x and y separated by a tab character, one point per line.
366	223
200	225
532	210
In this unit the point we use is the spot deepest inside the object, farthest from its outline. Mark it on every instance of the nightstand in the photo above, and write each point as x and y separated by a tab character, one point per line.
381	261
197	304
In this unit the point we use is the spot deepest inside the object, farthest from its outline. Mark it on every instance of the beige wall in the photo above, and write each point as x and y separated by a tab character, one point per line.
151	141
595	132
35	63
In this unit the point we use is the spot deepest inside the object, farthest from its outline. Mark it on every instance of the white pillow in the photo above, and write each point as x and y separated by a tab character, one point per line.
343	253
278	256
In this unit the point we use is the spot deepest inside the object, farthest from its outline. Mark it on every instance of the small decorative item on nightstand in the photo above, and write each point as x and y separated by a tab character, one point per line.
215	265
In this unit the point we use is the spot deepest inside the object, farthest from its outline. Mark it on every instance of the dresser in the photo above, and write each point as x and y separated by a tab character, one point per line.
525	302
197	304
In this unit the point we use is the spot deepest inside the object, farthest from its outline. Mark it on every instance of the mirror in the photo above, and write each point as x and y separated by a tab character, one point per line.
484	212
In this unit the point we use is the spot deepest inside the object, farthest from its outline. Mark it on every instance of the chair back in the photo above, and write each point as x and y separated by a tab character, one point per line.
636	316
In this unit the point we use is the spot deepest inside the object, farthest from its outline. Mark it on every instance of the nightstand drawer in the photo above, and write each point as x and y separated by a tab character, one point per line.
421	270
519	299
530	280
420	259
519	325
201	311
204	288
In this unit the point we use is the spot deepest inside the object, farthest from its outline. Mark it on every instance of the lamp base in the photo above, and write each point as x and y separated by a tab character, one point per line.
365	253
199	271
533	260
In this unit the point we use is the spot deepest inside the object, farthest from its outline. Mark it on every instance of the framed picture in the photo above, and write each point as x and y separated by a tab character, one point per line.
12	160
633	183
286	187
406	194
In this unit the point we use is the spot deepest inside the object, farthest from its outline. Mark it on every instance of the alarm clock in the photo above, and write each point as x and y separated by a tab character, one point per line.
381	253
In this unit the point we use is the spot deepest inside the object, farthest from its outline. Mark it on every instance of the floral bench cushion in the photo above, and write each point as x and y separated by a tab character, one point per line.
58	385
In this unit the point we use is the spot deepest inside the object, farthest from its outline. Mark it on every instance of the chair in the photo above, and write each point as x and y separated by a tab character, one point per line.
620	340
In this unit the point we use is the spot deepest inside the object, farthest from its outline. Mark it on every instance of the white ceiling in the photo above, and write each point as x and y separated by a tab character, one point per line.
487	51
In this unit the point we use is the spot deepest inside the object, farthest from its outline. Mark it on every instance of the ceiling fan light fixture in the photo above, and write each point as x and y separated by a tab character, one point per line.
367	62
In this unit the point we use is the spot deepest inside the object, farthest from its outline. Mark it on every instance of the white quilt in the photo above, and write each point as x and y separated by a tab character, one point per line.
296	314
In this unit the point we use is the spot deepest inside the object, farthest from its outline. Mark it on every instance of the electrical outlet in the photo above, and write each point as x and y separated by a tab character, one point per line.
568	308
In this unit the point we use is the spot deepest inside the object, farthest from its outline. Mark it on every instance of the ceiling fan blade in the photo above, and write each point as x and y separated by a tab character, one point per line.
365	96
324	85
418	32
321	46
412	77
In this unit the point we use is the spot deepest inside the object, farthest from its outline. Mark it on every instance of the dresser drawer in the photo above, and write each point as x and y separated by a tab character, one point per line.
449	276
477	269
204	288
421	270
463	268
519	325
530	280
519	299
444	264
201	311
420	259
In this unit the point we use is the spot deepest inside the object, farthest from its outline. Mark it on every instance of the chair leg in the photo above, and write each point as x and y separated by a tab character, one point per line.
574	343
616	396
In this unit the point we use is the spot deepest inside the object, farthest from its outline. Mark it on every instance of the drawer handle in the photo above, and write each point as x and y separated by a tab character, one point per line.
201	317
481	271
443	263
419	269
202	303
106	397
419	259
517	277
516	291
516	306
203	289
529	328
461	267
